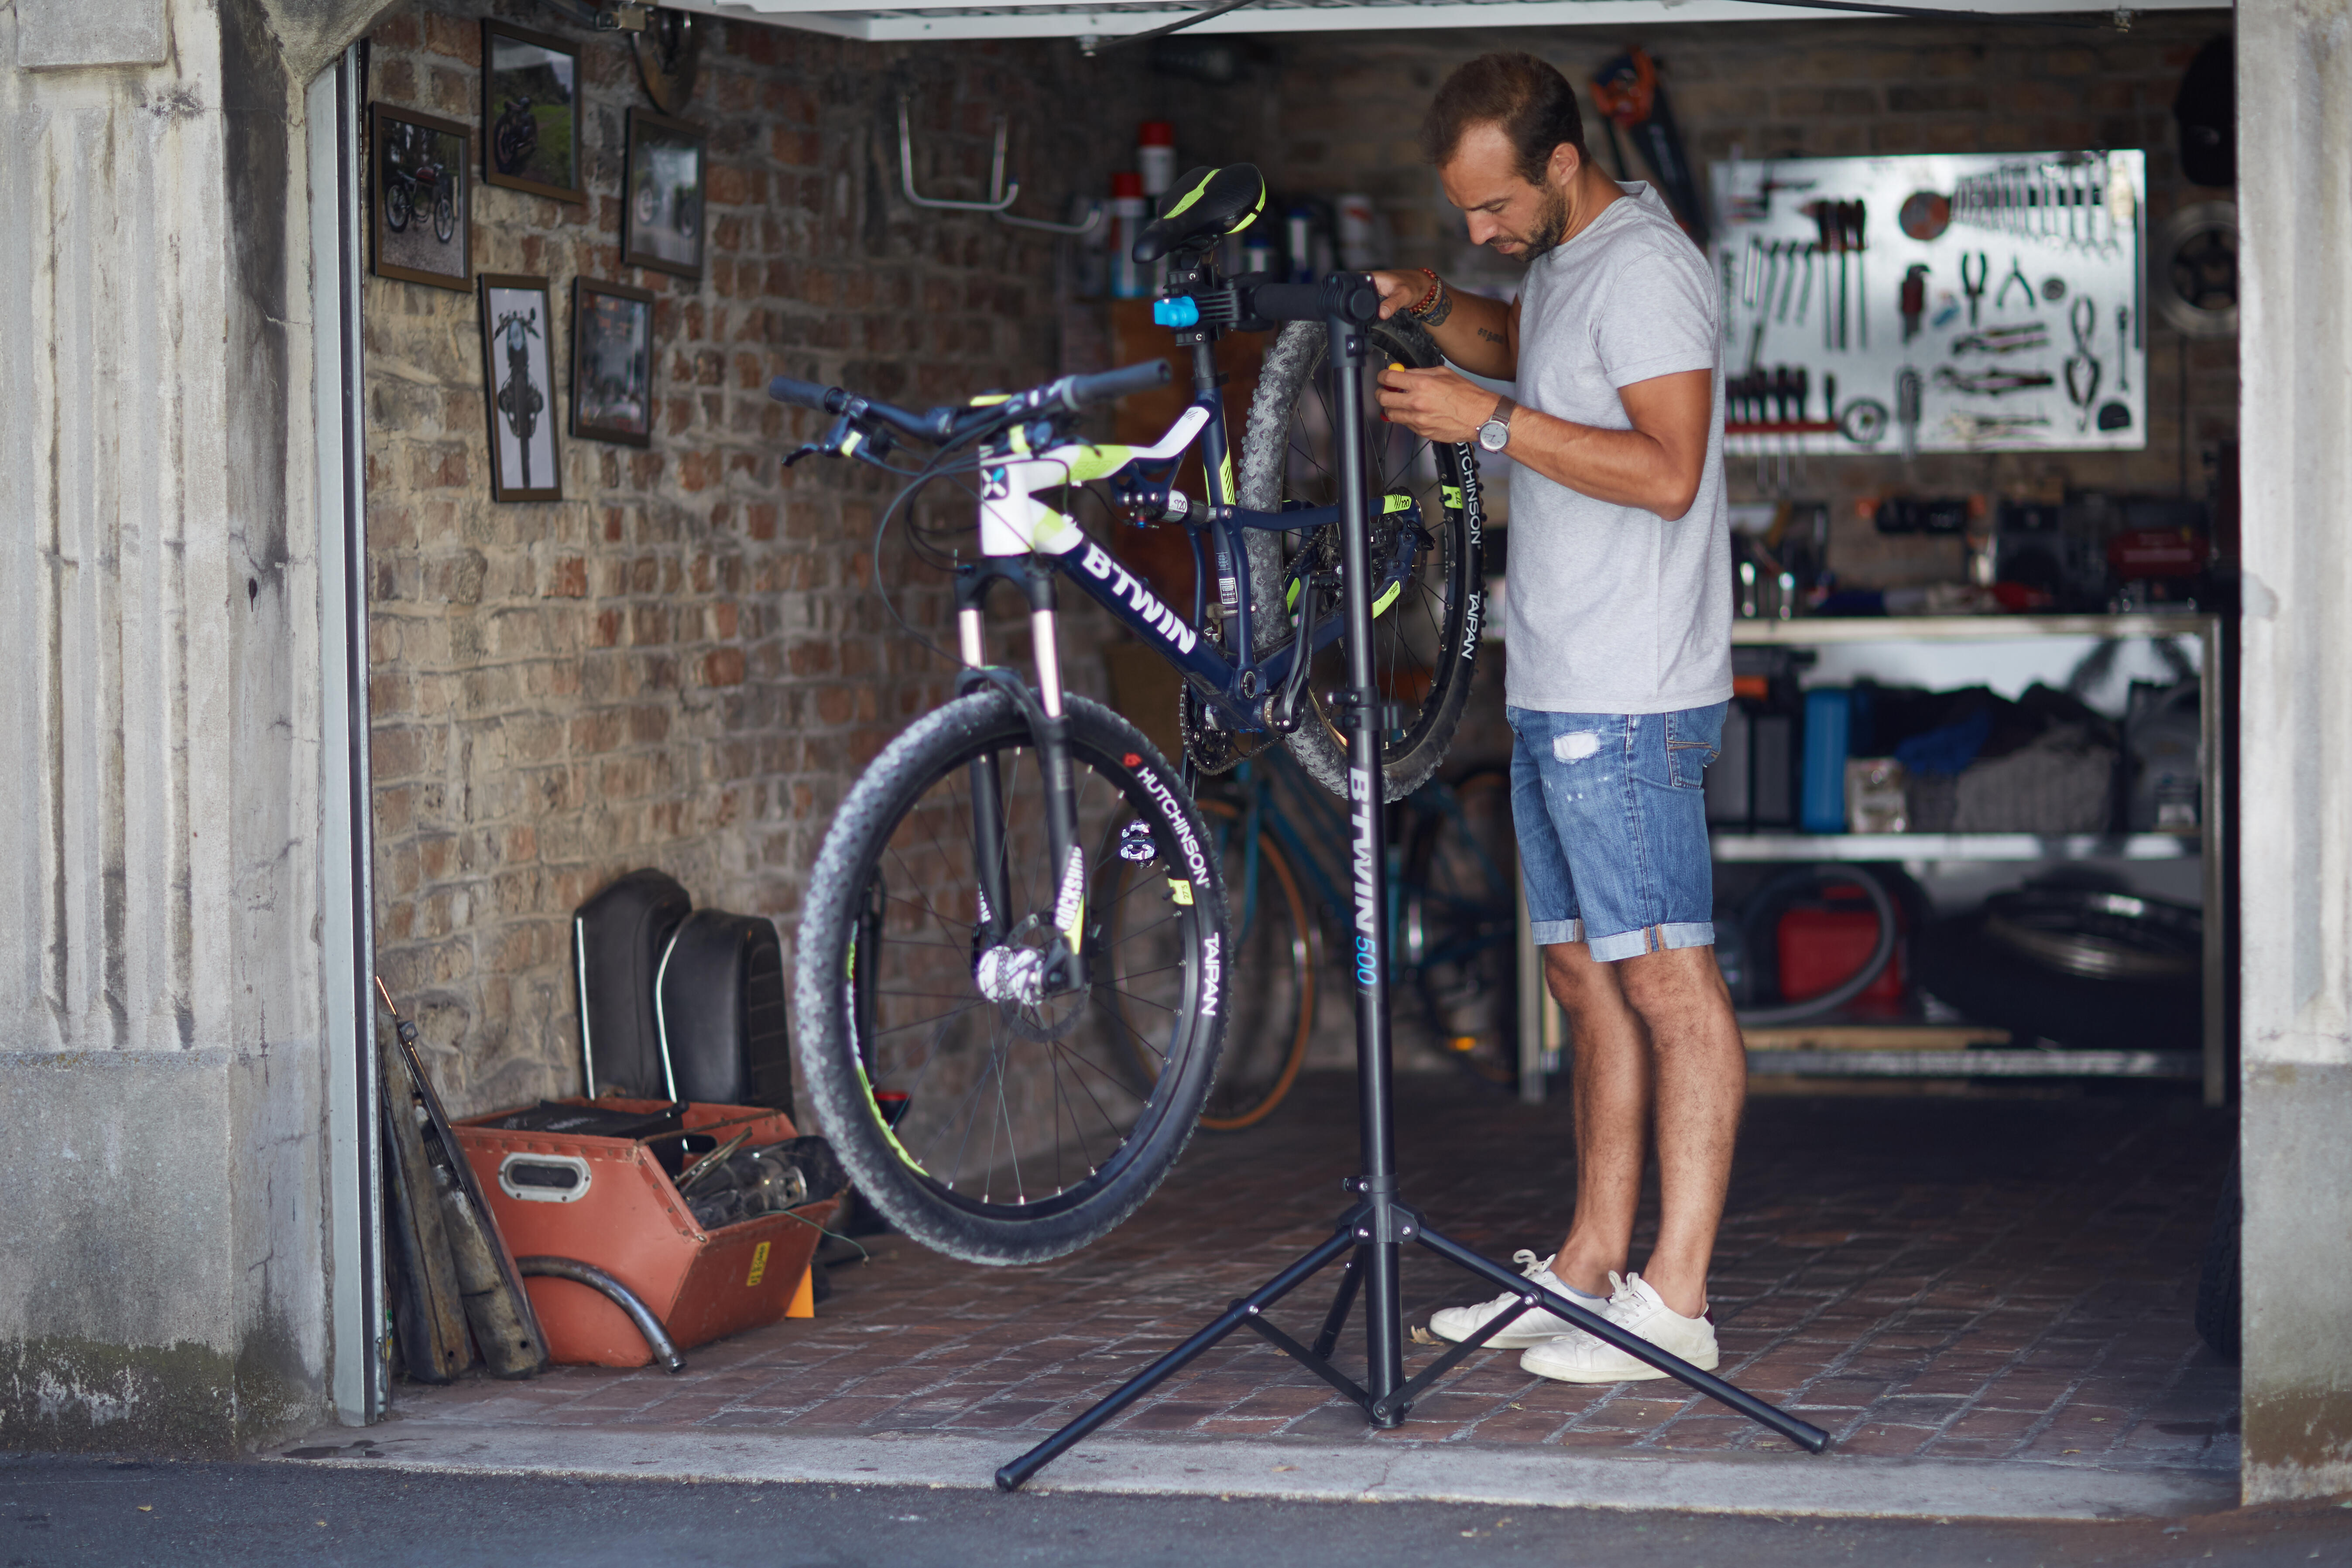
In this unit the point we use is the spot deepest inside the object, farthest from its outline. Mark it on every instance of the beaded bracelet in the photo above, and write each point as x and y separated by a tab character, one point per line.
1421	307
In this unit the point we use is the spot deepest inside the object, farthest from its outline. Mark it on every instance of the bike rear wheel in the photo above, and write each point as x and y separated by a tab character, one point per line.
1458	936
1426	637
1000	1131
1271	1010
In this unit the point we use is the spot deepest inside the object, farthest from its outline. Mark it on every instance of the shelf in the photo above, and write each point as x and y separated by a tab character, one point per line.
1809	632
1830	1035
1953	847
1998	1063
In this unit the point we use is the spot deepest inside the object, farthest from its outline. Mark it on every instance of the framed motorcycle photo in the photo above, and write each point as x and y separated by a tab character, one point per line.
422	213
612	362
661	207
519	384
530	112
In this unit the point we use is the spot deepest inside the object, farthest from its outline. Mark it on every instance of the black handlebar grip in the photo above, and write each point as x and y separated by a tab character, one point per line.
1287	302
806	394
1110	386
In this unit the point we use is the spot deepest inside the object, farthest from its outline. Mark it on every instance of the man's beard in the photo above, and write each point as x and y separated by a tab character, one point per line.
1551	223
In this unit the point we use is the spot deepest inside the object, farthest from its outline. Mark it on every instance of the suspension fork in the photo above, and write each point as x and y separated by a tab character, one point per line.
1065	968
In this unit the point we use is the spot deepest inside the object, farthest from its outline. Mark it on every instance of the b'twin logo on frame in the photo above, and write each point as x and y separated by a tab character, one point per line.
1158	616
1368	905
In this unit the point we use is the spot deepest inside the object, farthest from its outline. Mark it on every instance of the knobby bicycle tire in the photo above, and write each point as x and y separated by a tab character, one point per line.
1026	1108
1270	1007
1426	644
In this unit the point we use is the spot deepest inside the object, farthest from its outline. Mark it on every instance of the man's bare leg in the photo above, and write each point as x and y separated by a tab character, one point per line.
1670	1011
1609	1091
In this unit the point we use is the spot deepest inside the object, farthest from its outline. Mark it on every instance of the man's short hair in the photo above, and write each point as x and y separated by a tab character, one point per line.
1526	98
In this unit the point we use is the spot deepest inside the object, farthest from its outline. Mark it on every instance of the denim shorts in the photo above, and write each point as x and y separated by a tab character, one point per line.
1610	809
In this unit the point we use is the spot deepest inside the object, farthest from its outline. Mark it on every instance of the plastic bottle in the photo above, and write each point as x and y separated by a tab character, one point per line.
1155	156
1129	208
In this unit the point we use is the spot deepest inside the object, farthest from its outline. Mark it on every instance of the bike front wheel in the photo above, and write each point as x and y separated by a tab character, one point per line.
1003	1131
1427	622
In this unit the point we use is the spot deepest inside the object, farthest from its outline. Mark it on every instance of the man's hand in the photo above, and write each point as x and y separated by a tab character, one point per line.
1436	403
1399	289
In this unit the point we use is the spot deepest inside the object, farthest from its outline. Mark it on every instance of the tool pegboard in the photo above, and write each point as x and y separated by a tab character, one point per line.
1954	303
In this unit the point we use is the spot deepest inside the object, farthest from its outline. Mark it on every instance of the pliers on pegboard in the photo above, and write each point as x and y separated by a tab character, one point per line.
1972	284
2016	276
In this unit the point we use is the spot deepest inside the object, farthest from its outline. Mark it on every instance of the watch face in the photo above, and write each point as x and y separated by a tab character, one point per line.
1493	434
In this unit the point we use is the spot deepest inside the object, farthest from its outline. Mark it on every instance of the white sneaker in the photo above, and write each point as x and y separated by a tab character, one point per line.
1633	1305
1534	1325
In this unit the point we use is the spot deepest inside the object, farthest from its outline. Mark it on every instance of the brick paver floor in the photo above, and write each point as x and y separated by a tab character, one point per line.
1996	1280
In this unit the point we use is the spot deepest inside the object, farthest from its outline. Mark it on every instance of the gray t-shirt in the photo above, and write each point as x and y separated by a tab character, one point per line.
1611	609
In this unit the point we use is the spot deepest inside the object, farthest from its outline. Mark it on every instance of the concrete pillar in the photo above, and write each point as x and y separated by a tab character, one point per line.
2294	145
162	1208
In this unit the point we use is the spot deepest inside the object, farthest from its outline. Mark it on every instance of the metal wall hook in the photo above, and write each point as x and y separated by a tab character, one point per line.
1000	194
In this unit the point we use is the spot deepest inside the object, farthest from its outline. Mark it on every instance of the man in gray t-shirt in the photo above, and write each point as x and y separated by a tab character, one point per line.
1618	643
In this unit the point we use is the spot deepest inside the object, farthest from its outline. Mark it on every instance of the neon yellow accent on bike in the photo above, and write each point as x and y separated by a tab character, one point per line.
1181	891
1019	440
1053	528
1381	604
888	1136
1396	504
849	967
1290	599
990	399
1099	462
1453	494
1225	481
1192	195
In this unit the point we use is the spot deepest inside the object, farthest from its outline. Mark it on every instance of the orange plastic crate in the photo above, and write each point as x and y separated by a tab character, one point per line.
628	1219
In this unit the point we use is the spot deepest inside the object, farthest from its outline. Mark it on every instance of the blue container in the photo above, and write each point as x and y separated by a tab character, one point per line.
1829	727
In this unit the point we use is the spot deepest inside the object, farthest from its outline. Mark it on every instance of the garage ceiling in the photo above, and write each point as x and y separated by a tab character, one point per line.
951	19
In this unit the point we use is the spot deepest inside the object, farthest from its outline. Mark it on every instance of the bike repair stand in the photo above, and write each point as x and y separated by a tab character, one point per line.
1375	1228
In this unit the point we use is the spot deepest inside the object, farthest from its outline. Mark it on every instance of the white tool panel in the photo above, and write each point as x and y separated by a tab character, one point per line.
1986	302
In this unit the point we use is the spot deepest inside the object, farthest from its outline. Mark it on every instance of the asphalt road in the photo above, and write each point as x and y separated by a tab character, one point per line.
82	1511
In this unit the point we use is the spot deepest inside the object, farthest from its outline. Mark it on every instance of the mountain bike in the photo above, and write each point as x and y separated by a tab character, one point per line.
1021	892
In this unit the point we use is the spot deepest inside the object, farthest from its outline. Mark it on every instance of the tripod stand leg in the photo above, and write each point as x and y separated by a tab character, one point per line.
1337	1318
1012	1476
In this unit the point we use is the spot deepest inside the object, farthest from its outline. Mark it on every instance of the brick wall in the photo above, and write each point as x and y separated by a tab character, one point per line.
1350	109
678	664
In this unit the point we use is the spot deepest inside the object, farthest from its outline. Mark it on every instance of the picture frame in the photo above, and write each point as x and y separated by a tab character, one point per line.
420	207
518	388
662	218
612	362
530	112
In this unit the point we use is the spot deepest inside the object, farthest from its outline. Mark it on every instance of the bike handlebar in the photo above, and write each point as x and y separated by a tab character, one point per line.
1110	386
800	394
1069	394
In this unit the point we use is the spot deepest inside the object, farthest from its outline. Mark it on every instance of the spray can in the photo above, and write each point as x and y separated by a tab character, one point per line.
1129	208
1155	156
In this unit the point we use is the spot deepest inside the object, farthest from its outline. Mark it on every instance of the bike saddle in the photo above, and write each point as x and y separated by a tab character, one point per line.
1200	208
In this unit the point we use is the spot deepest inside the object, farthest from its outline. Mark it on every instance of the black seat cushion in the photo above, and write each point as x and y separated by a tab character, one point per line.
1203	207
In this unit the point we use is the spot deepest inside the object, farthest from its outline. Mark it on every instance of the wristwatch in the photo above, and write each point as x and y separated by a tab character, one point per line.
1497	431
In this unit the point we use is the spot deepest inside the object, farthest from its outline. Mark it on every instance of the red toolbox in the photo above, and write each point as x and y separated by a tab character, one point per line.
608	1202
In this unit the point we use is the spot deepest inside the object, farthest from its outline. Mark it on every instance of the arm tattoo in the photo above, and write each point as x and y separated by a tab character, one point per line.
1440	310
1489	336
